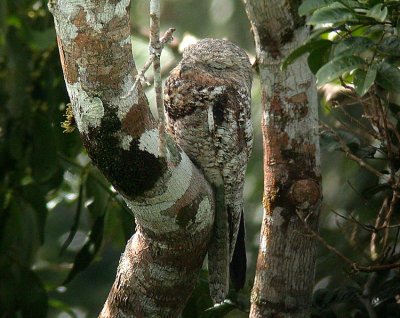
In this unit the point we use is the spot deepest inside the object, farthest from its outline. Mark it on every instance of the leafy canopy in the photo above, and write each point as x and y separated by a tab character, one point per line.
356	42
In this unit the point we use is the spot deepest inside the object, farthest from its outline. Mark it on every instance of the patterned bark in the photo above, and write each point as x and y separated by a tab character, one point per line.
292	181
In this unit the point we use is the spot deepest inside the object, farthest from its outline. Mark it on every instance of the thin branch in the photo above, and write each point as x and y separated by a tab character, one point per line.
166	38
388	141
388	216
373	253
155	51
366	227
350	155
353	265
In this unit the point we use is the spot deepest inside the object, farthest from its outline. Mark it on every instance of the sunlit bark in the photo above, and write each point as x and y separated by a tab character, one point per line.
292	180
172	203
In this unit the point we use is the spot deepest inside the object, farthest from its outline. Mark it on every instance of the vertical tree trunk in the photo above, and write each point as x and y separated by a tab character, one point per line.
292	180
172	203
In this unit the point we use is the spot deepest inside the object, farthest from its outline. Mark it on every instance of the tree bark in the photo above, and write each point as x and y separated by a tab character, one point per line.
172	203
292	180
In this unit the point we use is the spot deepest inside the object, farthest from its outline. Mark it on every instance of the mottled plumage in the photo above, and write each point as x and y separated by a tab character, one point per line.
207	106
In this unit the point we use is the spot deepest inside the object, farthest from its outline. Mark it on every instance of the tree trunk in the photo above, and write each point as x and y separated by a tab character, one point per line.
172	203
292	181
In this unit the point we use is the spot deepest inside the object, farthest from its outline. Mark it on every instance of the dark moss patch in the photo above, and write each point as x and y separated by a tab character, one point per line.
287	35
132	171
268	42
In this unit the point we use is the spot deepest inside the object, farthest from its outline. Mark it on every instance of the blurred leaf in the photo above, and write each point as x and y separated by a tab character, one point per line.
322	297
96	194
43	39
75	224
387	292
9	292
200	299
32	194
17	142
44	160
394	108
219	310
352	46
318	58
350	138
21	290
378	12
308	47
15	21
86	255
20	238
17	83
364	80
63	307
374	32
390	46
309	6
388	77
119	225
347	294
321	33
33	296
332	15
337	67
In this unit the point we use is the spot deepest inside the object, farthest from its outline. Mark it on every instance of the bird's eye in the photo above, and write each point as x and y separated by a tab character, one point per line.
216	65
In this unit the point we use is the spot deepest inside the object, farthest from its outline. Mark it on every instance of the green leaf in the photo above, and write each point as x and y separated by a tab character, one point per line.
200	299
9	275
86	255
321	33
44	160
310	6
363	80
43	39
75	225
318	58
34	196
220	310
332	15
19	232
308	47
388	77
60	306
337	67
352	46
378	13
390	46
33	296
96	194
17	146
21	290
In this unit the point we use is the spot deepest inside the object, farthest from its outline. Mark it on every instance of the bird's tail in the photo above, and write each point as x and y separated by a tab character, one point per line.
238	265
218	252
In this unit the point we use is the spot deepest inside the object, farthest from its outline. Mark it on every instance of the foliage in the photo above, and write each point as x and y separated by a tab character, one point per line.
39	169
50	195
355	45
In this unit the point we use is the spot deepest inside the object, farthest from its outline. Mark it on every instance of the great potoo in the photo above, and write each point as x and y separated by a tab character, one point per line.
207	106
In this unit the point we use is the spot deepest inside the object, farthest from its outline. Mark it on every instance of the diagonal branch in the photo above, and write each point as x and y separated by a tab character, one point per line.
172	203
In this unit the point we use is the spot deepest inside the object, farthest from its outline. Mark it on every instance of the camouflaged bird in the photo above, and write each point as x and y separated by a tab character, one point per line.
207	106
